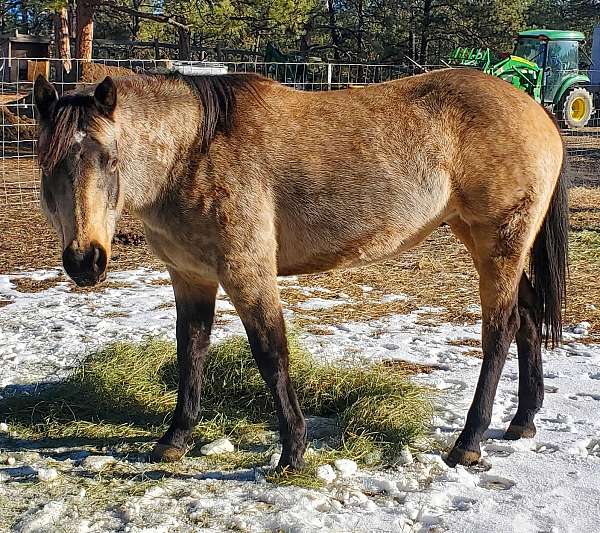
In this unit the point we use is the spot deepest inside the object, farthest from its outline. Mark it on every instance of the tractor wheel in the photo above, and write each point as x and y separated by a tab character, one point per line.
575	108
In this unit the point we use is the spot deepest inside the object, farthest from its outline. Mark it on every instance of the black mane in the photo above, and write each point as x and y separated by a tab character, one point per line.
217	94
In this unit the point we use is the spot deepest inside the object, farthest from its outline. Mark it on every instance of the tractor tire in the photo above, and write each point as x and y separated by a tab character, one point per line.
575	108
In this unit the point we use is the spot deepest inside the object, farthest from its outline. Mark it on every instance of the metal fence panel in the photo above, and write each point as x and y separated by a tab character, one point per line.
19	173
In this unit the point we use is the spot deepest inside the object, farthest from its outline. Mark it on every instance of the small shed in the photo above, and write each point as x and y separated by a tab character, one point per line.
20	56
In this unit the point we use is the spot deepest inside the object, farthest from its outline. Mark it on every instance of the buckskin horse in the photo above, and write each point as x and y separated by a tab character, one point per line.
238	179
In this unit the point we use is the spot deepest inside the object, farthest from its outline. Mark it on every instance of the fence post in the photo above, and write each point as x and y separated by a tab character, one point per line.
329	75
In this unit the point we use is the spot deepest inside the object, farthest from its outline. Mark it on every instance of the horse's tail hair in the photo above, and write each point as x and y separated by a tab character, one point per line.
549	264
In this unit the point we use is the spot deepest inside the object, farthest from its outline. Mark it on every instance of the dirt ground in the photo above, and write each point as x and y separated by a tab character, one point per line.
437	273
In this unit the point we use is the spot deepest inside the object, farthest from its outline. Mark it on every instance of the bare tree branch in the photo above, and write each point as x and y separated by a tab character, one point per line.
157	17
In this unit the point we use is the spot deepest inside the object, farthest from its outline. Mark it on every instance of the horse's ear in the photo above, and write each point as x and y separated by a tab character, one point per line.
44	95
105	96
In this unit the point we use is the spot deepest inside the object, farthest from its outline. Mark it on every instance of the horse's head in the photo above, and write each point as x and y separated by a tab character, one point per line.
80	190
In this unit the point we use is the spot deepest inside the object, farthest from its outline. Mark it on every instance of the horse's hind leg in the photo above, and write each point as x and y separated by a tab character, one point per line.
500	267
195	311
531	377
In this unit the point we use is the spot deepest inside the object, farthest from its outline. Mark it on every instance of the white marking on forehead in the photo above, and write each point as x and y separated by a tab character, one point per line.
79	136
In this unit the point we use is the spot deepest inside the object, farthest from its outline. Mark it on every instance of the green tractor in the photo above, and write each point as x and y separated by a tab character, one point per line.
545	64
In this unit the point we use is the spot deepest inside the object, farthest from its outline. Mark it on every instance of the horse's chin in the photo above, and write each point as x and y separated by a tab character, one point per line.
88	280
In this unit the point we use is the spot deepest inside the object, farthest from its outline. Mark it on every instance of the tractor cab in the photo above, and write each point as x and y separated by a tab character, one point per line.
544	64
556	53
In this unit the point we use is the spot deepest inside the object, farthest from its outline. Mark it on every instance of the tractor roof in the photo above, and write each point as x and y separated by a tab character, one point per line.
554	34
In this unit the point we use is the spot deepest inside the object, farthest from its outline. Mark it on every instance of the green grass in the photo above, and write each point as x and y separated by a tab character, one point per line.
129	390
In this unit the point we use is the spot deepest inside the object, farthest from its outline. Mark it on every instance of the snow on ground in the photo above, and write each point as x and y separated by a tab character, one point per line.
550	483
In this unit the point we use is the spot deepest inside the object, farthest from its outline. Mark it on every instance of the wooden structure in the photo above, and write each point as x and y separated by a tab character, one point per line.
19	53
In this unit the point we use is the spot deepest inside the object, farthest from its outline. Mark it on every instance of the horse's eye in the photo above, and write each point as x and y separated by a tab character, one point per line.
112	164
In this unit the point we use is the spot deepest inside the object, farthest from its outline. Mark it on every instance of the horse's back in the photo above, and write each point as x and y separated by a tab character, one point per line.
377	169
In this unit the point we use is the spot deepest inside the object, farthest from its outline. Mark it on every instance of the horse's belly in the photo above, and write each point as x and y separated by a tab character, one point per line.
301	254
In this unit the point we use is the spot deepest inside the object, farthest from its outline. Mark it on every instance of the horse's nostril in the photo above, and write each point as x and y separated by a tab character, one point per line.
87	266
99	260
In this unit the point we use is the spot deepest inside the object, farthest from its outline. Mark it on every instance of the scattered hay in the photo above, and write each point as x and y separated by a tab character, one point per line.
408	367
585	246
583	295
115	314
318	330
129	238
475	343
160	282
128	390
165	305
292	296
33	285
101	286
473	353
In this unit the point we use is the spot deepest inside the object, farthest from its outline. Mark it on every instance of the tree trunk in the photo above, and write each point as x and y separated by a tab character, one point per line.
335	39
62	38
184	44
361	28
184	37
85	29
425	24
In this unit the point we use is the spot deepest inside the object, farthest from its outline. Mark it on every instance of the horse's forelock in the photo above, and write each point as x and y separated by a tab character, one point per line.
72	116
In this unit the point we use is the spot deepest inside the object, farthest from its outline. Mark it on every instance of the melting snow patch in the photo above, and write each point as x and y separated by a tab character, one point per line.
97	463
326	473
346	467
388	298
40	519
319	303
217	446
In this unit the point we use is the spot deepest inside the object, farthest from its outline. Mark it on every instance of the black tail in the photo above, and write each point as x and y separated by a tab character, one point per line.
550	261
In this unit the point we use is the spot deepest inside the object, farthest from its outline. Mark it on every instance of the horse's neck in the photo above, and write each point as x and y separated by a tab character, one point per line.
156	131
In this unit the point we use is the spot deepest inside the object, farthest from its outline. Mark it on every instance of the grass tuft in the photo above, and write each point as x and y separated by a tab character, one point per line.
128	390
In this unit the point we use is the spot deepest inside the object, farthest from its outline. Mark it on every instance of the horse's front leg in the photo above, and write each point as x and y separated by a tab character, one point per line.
195	303
256	299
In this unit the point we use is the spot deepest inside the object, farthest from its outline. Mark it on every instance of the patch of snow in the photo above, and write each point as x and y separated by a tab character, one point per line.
97	463
44	334
388	298
405	457
47	474
582	328
319	303
41	519
346	467
217	446
326	473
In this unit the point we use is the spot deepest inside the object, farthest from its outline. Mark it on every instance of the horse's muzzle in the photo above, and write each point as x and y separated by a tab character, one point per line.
85	267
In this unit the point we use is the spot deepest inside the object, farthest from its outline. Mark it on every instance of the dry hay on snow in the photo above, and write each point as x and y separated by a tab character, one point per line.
126	391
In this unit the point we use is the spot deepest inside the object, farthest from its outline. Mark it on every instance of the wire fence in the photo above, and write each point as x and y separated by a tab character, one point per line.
20	175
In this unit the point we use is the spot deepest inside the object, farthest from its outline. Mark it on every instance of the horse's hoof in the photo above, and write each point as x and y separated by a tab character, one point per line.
291	466
516	432
163	453
458	456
